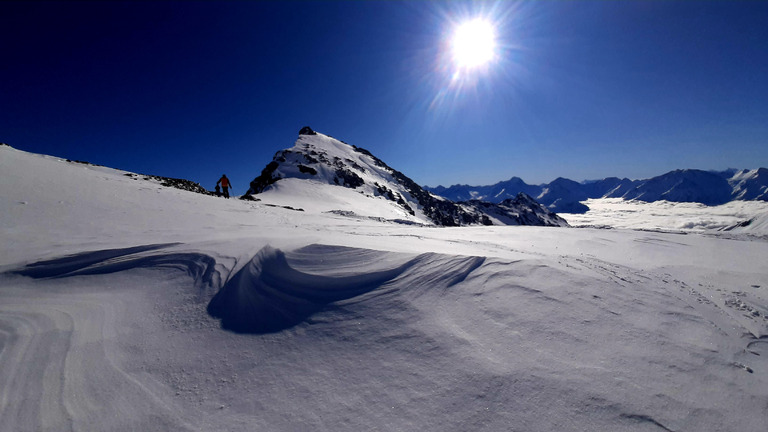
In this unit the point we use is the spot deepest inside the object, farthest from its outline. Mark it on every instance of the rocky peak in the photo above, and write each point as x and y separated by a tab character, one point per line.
306	130
321	158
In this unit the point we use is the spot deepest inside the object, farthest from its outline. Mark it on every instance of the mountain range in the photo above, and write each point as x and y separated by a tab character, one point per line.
354	182
565	196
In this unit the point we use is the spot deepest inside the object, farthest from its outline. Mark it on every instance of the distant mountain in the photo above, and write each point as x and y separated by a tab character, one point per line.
611	186
494	193
561	195
565	196
350	180
750	185
683	186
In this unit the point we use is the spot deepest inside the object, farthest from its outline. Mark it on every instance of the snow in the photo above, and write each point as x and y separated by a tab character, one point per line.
750	184
320	192
758	225
320	197
685	186
355	323
669	216
313	170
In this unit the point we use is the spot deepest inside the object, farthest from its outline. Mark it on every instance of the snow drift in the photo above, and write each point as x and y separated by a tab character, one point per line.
270	295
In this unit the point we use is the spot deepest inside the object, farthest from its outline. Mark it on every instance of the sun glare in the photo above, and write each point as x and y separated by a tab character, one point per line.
473	43
475	53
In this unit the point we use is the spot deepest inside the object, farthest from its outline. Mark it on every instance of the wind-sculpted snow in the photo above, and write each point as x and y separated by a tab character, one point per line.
199	266
349	339
101	261
270	294
69	357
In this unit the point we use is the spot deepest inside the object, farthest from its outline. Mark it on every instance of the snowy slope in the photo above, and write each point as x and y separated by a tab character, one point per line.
317	165
756	225
750	184
114	291
671	216
350	180
684	186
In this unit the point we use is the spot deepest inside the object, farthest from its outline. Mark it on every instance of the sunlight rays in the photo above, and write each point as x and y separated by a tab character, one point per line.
478	53
473	43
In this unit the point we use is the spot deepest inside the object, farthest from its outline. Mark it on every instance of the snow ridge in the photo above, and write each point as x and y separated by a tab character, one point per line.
270	294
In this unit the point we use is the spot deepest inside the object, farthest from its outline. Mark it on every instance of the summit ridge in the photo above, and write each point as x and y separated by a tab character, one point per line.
329	169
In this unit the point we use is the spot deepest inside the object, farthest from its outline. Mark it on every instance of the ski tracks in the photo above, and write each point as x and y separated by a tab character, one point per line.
738	315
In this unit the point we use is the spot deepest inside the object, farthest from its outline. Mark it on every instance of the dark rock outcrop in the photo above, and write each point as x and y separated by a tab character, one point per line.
347	178
307	170
306	130
264	179
176	183
521	210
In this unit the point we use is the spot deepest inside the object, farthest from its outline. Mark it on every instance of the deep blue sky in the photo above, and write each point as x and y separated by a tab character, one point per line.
581	90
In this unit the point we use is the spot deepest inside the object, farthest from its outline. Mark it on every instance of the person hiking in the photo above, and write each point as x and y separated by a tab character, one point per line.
225	185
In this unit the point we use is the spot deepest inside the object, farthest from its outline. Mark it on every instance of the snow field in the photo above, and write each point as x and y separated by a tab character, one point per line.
105	324
665	215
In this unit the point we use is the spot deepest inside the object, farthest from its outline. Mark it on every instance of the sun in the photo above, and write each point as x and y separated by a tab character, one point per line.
473	43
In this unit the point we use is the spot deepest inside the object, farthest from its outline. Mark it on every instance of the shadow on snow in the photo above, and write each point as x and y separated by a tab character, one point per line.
269	294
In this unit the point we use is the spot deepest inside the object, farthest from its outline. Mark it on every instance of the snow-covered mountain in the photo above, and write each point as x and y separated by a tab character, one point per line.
683	186
350	180
561	195
566	196
750	184
493	193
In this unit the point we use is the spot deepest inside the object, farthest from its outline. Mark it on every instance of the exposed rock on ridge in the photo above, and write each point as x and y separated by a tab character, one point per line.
320	158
